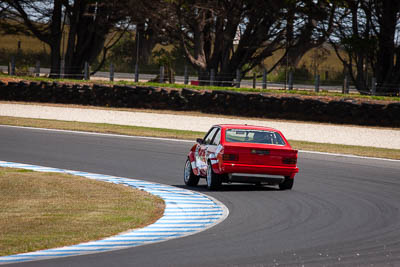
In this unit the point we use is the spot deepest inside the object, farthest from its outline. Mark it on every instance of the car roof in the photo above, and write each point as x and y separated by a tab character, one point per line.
246	127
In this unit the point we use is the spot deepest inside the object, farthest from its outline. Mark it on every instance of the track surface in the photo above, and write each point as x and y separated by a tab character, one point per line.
342	211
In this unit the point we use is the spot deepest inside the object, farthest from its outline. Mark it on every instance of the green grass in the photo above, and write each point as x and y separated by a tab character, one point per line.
212	88
47	210
190	135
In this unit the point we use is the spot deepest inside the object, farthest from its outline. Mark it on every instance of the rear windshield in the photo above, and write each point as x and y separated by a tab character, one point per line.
253	136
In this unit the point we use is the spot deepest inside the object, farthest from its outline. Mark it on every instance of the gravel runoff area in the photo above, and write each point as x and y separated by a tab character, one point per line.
302	131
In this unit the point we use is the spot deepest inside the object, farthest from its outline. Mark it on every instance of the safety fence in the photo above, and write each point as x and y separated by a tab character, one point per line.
288	80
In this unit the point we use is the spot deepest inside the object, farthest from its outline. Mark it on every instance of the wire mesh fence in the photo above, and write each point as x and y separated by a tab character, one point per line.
285	79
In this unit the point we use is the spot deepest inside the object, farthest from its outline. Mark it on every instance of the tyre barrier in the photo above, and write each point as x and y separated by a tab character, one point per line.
186	213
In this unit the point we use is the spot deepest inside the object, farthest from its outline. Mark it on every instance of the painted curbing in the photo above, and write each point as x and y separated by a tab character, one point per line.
186	213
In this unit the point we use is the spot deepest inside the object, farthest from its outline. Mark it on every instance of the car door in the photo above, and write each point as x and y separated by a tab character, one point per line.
211	152
204	150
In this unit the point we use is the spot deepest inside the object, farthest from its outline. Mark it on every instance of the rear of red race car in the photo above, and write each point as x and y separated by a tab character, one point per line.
244	154
259	164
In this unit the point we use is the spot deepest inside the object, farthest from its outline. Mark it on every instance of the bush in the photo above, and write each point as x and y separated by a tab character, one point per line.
122	55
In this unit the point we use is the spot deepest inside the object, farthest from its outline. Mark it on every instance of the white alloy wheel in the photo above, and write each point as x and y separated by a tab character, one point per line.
188	169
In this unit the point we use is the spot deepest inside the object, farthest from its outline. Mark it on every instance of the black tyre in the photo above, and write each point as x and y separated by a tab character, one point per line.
287	184
213	179
188	176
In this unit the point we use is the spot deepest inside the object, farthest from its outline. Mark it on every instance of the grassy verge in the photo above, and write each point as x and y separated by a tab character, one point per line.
190	135
241	89
100	128
47	210
346	149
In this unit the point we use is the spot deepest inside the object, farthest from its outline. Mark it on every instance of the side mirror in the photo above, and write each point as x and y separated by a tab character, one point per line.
199	140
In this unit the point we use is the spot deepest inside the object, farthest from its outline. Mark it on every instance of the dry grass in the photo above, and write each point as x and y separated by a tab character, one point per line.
100	128
331	62
189	135
28	43
46	210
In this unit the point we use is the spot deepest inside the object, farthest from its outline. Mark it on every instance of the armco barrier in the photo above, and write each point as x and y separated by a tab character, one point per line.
346	111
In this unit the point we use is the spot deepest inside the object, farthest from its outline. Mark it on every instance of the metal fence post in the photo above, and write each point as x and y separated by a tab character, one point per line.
373	86
136	72
264	79
62	68
212	77
317	78
111	72
86	71
290	80
254	80
161	74
12	66
237	78
346	84
37	68
186	76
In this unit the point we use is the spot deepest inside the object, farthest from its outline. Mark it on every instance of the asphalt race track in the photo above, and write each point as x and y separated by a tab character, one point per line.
342	211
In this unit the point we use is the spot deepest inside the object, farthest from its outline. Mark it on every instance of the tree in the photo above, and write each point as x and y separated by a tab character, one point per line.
90	22
40	18
387	68
308	23
366	31
151	19
227	35
86	22
3	10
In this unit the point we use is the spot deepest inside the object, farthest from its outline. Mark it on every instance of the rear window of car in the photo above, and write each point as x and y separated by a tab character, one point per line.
253	136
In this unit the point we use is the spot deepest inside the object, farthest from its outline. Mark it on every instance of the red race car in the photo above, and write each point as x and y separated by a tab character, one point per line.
242	153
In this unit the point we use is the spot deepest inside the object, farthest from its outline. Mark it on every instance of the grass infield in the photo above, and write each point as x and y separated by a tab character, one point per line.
46	210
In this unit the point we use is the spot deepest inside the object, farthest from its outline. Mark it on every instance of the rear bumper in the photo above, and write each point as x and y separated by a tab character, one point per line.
259	169
255	178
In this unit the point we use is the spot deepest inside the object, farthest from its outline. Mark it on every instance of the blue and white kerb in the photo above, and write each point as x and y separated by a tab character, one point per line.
186	212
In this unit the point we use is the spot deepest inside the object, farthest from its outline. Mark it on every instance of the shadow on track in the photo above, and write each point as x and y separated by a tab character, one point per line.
229	188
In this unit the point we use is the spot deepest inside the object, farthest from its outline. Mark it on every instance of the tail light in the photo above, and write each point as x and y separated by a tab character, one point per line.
230	157
291	161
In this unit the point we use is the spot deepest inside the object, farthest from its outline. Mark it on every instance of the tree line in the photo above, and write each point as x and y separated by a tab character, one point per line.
219	35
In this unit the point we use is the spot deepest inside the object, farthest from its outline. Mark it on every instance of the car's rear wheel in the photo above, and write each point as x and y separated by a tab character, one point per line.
287	184
213	179
188	176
